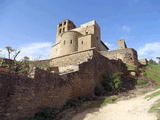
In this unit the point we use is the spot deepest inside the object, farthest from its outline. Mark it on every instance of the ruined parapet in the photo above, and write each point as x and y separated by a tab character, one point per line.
128	55
122	44
143	61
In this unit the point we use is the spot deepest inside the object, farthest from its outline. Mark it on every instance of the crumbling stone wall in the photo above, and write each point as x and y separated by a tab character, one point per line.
21	97
128	55
143	61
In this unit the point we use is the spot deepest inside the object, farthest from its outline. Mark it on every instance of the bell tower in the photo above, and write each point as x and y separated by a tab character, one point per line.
62	27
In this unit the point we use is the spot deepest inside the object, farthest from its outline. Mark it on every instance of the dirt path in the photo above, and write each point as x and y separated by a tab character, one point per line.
133	109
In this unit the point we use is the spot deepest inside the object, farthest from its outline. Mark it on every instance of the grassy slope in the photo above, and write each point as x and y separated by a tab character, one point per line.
152	72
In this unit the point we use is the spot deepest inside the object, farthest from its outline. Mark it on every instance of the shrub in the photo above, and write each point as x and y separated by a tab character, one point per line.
110	84
151	62
107	83
99	91
117	80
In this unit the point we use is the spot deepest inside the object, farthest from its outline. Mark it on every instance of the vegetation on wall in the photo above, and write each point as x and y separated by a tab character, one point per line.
130	67
112	85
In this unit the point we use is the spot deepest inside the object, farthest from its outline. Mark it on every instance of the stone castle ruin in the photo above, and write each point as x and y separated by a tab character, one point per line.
78	62
70	39
74	44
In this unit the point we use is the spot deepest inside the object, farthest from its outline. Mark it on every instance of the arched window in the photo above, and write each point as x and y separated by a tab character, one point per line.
71	41
64	42
82	42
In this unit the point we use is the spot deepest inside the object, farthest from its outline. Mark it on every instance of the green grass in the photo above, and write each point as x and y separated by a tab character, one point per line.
108	100
156	109
142	82
145	91
130	67
153	95
152	71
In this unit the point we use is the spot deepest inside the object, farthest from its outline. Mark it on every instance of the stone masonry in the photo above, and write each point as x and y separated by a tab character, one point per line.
72	41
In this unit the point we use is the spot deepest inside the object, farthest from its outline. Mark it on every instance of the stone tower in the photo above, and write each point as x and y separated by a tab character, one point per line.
62	27
121	44
71	39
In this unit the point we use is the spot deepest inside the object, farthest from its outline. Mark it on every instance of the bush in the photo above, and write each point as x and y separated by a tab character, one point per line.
47	114
151	62
99	91
107	83
110	84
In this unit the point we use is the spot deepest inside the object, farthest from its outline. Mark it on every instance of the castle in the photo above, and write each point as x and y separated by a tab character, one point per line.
78	63
73	43
70	39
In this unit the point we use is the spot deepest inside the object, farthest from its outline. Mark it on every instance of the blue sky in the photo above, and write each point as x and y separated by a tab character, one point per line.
30	25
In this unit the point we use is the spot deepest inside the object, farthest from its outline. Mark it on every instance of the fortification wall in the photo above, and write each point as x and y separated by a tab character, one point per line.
21	97
128	55
72	59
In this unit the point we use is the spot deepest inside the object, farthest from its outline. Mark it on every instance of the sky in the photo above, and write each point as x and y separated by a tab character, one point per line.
30	25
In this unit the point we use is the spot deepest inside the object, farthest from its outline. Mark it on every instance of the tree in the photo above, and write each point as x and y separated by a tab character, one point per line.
10	51
152	61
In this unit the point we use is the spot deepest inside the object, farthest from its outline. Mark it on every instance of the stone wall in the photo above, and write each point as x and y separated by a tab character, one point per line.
143	61
21	97
128	55
72	59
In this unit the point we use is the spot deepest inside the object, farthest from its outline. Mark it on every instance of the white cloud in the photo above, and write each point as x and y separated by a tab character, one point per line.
110	46
40	50
3	53
149	50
